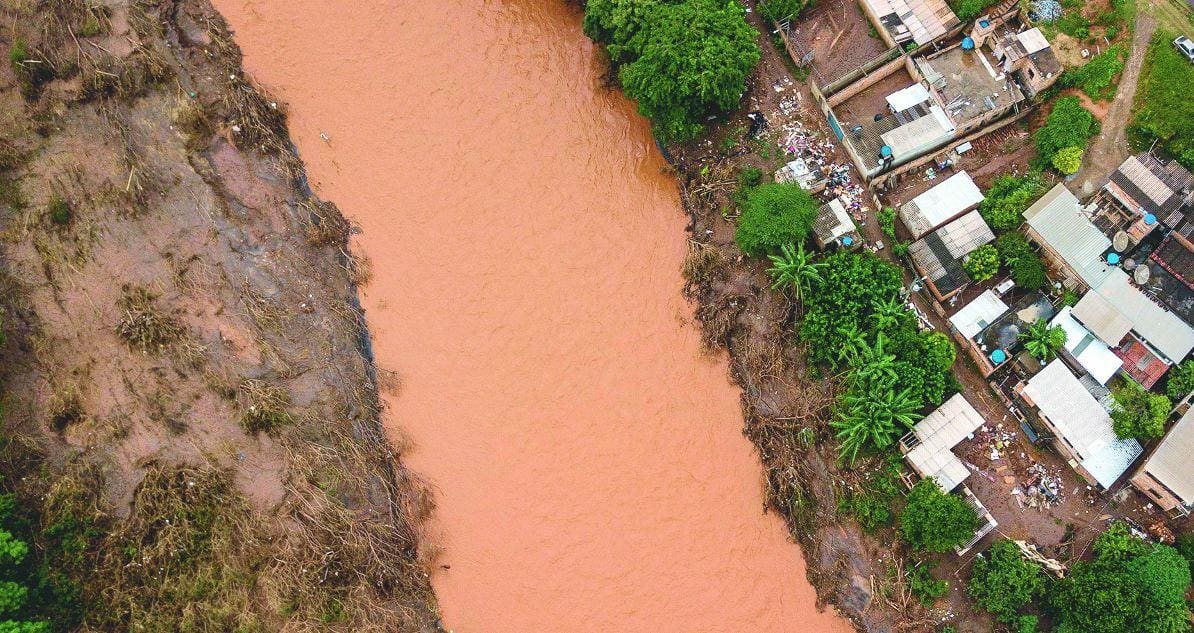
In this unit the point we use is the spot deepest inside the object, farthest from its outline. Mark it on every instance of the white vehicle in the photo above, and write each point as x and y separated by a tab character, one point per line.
1185	47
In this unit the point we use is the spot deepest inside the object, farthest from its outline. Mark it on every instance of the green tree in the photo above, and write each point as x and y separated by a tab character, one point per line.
888	313
1043	341
1012	246
1003	582
1004	204
852	285
680	61
774	215
982	263
887	217
935	521
1139	413
779	10
1068	125
1128	588
870	415
1181	381
793	269
1068	160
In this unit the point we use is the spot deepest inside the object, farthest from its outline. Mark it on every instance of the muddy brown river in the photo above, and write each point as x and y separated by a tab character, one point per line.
586	456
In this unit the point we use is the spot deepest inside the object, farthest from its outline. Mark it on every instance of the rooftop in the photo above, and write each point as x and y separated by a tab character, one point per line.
940	204
967	84
1170	464
1083	422
1058	219
1149	185
975	316
1092	354
832	222
937	434
939	254
921	21
1116	302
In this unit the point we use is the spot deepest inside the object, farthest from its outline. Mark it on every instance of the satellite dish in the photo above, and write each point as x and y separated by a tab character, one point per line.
1129	264
1120	241
1141	275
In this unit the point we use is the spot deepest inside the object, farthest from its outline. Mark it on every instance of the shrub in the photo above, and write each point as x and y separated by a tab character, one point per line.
1029	273
1164	111
59	211
935	521
1012	246
982	263
1042	340
1004	205
1099	76
887	216
870	504
1068	125
680	61
264	406
774	214
779	10
1139	413
852	285
1003	582
750	177
1068	160
1135	589
1181	381
967	10
1026	624
924	586
1074	24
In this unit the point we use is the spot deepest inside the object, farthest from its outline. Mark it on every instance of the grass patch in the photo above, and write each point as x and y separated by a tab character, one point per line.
1164	111
1100	76
142	326
265	406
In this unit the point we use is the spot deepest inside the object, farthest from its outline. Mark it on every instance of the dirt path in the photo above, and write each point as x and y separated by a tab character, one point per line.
1111	147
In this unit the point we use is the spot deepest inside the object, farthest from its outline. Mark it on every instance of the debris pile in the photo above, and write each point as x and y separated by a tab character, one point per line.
818	154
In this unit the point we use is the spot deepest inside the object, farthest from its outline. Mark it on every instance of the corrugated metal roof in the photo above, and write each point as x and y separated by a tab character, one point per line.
1057	218
832	222
938	433
1095	357
1171	463
940	204
926	20
1162	329
975	316
1083	422
916	137
1102	319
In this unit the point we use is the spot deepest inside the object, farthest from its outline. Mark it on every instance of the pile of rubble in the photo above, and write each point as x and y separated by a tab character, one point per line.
818	154
1042	490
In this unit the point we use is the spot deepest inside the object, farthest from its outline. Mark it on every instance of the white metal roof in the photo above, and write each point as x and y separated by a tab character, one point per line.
975	316
1171	463
1095	357
1058	219
1083	422
938	433
940	204
905	98
1162	329
918	136
1033	41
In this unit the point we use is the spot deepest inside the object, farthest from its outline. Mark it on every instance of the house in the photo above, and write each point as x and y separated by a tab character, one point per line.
1023	54
943	202
1167	476
975	316
929	450
1084	351
1143	332
1078	425
938	256
833	225
928	446
1068	239
1145	193
903	21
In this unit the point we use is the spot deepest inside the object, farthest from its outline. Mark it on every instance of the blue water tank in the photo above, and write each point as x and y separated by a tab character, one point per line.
847	240
885	151
998	356
1113	258
967	44
984	23
1150	219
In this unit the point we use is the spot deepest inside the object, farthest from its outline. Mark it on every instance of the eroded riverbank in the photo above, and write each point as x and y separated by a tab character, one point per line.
585	455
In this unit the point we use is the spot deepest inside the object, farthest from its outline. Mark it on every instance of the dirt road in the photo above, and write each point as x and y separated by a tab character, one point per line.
1110	148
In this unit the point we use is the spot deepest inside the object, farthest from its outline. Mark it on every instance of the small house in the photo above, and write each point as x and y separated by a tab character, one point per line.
833	225
1167	476
938	256
944	202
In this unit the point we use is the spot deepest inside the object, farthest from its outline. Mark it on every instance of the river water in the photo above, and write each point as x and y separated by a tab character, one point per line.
586	456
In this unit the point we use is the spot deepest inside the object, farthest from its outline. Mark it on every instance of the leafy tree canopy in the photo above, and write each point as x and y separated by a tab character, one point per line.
1068	160
935	521
679	60
1043	341
1068	125
774	215
777	10
982	263
1130	587
852	285
1139	413
1009	196
1181	381
1003	582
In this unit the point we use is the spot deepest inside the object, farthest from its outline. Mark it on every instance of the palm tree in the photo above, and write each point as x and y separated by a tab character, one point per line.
853	340
888	313
1042	341
871	417
871	365
794	268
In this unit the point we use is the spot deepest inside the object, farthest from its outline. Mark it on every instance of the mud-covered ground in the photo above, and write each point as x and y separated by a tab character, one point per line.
183	333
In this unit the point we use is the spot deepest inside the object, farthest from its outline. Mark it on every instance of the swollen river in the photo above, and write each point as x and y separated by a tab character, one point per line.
585	455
